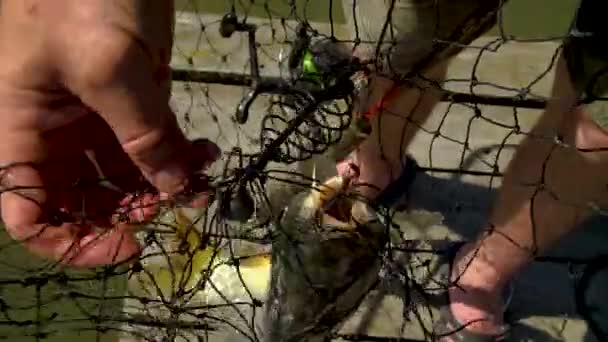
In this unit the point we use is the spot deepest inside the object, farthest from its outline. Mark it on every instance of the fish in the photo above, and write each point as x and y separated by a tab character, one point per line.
326	257
187	269
189	257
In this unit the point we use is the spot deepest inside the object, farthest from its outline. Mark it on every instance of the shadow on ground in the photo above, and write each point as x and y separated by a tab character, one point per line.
543	307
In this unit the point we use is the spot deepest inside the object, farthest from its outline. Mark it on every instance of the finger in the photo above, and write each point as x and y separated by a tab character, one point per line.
137	209
122	87
107	247
26	221
204	153
118	168
347	169
29	204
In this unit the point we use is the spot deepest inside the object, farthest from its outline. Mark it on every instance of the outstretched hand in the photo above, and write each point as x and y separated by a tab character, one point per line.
84	90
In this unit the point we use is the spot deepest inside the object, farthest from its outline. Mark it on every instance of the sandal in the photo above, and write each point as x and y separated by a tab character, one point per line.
447	325
399	189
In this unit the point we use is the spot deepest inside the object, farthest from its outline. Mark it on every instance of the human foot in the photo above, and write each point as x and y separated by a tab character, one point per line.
476	299
377	180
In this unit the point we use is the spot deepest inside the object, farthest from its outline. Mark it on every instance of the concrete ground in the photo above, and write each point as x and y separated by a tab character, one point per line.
444	206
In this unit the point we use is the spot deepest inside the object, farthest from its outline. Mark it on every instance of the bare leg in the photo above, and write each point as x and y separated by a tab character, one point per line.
411	33
393	129
546	193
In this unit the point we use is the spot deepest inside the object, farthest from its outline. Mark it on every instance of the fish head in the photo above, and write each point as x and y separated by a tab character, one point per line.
330	207
326	258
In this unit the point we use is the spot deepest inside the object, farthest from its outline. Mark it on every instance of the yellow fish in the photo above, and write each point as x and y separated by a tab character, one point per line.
325	259
188	260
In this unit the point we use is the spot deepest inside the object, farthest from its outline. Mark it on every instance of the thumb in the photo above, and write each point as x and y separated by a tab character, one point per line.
348	169
122	87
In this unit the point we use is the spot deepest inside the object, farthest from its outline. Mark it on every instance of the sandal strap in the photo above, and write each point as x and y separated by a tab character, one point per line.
400	187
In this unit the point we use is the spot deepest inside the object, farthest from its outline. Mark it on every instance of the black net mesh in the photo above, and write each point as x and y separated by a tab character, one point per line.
280	87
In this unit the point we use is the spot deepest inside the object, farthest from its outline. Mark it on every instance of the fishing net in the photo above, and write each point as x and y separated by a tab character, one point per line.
279	86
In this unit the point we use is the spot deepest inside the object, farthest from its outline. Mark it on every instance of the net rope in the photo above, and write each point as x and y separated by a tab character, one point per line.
190	283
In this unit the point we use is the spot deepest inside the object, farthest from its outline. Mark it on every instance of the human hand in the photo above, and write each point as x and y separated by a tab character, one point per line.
80	77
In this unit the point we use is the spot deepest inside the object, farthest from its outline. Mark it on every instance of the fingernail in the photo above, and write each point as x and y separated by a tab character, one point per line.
214	151
211	149
163	196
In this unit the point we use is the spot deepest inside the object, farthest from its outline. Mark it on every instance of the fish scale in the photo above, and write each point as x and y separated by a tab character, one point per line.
322	268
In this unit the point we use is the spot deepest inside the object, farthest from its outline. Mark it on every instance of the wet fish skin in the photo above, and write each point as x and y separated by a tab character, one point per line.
320	272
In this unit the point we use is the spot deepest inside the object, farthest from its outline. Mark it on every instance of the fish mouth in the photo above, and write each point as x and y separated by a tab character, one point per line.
335	206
